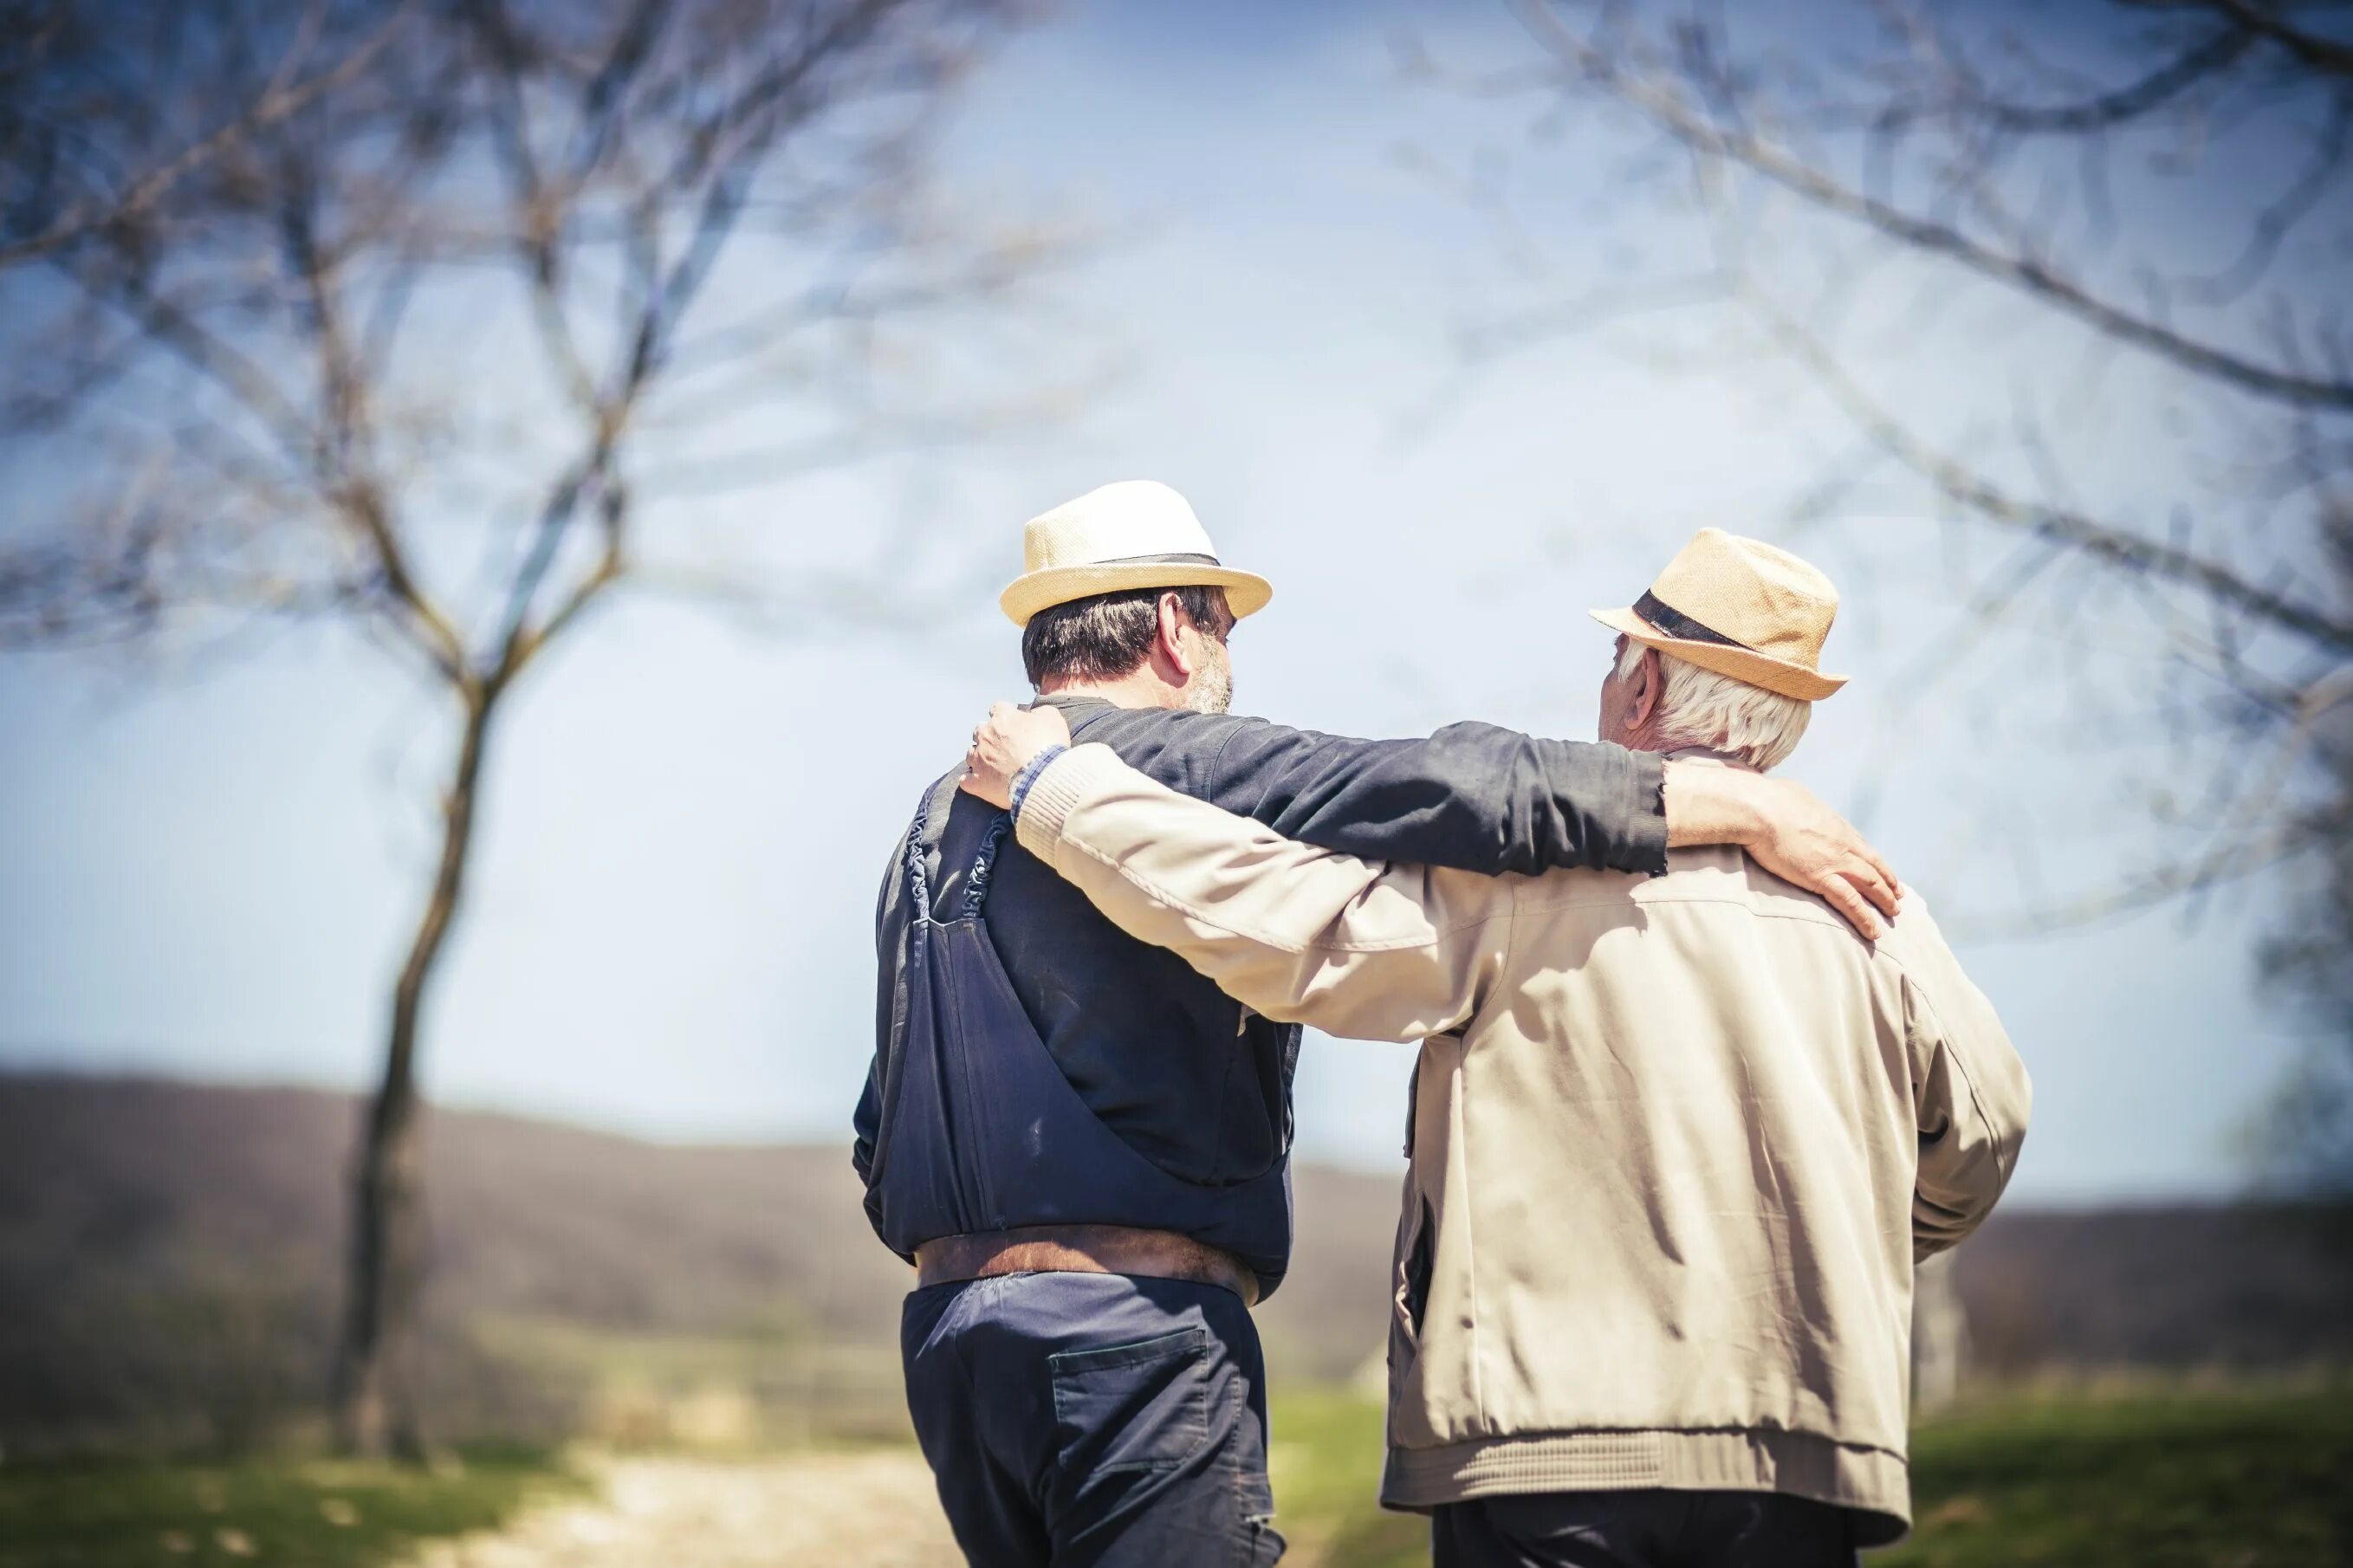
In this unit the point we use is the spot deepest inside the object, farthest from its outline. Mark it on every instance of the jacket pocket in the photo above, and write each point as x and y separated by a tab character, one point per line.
1415	1260
1412	1104
1144	1407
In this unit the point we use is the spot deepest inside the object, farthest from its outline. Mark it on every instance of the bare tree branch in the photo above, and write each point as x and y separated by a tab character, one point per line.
390	328
2200	63
1711	136
2118	547
2271	21
2181	236
281	99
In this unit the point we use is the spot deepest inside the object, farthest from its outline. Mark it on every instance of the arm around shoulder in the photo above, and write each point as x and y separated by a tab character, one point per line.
1298	933
1472	795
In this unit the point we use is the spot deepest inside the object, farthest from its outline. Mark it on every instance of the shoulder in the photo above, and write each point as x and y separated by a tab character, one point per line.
1110	724
1912	944
1170	744
1723	877
1713	874
1913	939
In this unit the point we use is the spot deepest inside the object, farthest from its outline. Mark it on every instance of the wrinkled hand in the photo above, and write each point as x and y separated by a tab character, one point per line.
1803	841
1008	740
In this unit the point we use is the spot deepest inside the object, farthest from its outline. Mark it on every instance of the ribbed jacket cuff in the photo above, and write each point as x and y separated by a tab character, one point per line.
1067	782
1644	847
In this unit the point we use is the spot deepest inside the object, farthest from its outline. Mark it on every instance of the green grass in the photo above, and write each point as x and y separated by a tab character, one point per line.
2149	1478
2207	1479
2183	1477
257	1513
1326	1462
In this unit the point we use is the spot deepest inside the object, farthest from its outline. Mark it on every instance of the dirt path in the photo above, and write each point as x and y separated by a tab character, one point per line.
874	1509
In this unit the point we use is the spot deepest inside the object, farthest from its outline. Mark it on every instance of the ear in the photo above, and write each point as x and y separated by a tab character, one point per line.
1168	644
1649	685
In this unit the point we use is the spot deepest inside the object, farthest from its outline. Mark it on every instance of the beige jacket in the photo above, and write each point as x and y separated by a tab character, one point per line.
1677	1142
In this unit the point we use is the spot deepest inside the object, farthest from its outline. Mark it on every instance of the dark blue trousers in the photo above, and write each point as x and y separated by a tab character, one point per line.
1649	1528
1093	1421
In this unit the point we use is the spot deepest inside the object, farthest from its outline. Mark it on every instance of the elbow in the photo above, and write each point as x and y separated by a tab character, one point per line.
1347	1023
1944	1220
1347	1017
2011	1126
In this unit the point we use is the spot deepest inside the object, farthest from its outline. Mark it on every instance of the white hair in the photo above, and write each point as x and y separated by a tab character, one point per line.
1701	708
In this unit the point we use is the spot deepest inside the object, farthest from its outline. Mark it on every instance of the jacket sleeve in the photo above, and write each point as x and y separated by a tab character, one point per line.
1970	1093
1300	934
1472	796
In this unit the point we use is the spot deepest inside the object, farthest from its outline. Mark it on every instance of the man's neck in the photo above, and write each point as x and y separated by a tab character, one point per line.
1672	748
1680	752
1141	690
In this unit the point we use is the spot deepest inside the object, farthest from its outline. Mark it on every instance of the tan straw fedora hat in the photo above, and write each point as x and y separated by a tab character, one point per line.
1136	533
1740	608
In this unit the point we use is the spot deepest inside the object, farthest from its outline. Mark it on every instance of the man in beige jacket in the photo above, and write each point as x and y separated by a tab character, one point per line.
1677	1142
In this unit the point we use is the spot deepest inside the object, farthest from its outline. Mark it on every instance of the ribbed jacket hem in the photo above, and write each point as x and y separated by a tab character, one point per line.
1057	791
1873	1482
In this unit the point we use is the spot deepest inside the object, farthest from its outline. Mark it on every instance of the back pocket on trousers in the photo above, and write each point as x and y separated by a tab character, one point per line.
1144	1407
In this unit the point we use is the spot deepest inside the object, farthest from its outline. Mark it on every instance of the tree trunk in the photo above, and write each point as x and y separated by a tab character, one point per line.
374	1397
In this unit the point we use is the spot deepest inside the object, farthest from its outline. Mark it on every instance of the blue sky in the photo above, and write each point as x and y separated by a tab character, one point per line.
209	867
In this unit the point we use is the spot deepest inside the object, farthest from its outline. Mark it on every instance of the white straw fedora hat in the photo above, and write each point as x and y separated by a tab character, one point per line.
1136	533
1741	608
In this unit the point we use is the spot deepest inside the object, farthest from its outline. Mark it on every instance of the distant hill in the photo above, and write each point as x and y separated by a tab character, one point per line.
169	1256
2180	1286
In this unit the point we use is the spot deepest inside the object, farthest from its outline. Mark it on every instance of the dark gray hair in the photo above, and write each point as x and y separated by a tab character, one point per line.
1107	637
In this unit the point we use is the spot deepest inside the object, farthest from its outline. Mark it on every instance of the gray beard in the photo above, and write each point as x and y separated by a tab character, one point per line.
1212	692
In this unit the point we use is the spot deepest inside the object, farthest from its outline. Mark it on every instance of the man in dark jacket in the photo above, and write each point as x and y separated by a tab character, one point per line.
1081	1144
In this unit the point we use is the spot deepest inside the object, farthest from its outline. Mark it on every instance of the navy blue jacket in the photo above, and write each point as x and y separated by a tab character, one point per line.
1185	1076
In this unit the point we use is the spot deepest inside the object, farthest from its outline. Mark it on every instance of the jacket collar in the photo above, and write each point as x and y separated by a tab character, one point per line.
1708	755
1077	707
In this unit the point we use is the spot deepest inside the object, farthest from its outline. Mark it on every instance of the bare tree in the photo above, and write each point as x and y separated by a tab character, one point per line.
415	315
65	188
2128	229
